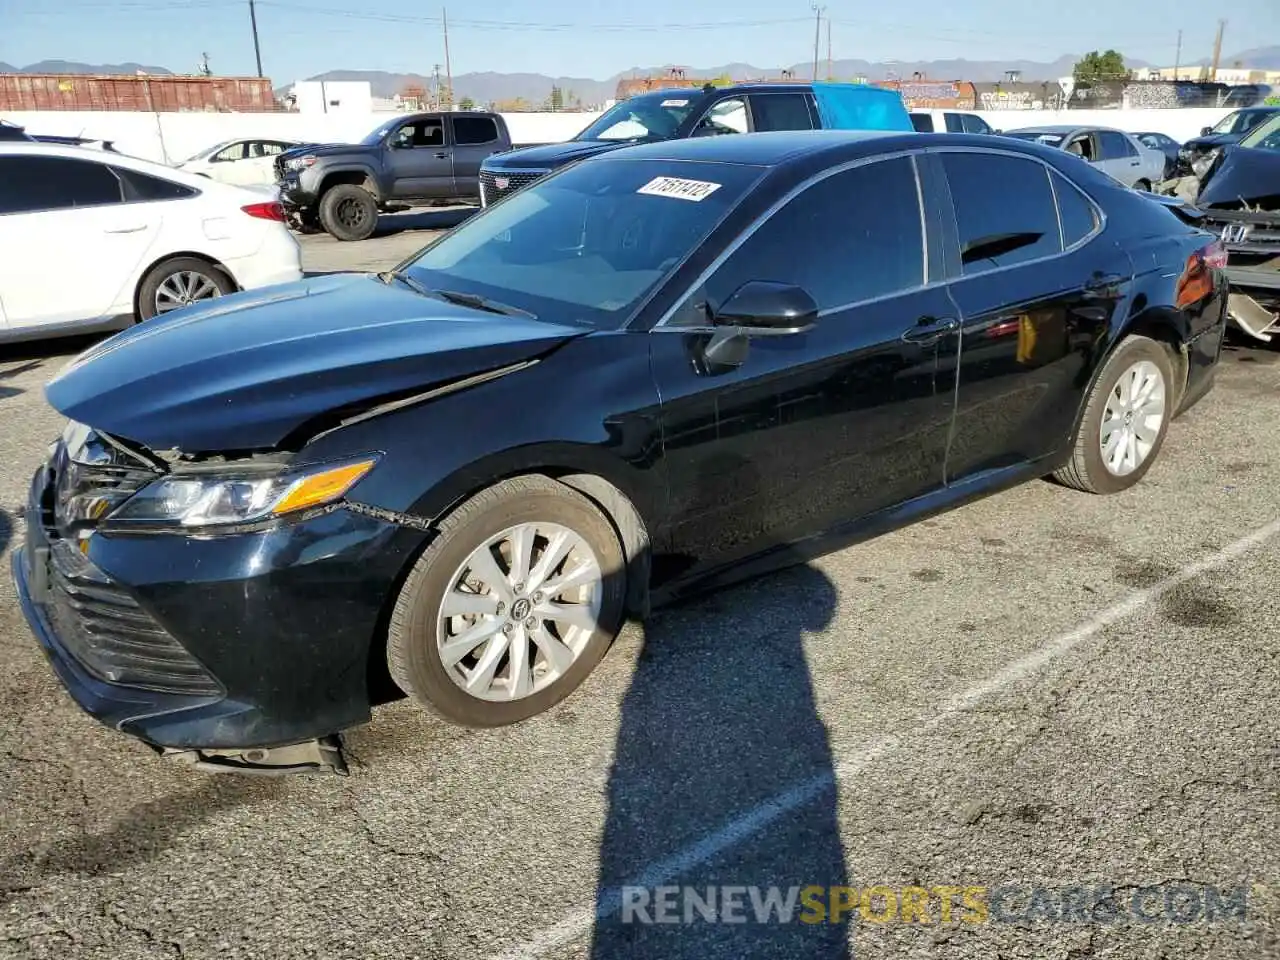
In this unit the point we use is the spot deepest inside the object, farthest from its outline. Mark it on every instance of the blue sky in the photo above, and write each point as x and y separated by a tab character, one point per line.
304	37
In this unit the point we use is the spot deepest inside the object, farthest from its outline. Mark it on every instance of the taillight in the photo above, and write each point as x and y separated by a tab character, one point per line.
271	210
1197	280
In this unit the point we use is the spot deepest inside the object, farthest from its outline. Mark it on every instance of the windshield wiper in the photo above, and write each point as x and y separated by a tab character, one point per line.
481	303
416	286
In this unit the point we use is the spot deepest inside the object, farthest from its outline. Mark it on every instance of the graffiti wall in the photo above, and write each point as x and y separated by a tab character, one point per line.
1019	96
934	94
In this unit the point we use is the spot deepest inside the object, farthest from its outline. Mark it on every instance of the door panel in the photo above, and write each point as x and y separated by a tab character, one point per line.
1032	317
818	428
474	139
421	160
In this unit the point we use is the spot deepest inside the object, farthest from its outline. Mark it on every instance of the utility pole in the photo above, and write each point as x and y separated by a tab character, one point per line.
448	69
817	35
828	50
257	52
1217	51
435	88
1177	57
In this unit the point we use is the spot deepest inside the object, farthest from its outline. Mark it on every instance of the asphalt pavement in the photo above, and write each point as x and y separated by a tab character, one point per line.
1040	700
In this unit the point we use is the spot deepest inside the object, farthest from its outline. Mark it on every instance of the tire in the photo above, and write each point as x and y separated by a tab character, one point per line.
305	222
419	630
1088	469
164	286
348	212
1142	186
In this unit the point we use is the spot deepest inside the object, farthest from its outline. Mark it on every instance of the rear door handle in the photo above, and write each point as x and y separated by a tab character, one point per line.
138	228
442	156
930	329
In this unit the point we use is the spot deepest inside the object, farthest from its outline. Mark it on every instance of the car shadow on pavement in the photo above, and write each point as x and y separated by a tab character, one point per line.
6	529
11	372
390	224
139	835
723	777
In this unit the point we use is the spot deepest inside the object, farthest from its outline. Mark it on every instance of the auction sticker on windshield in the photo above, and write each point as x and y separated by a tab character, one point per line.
694	190
675	103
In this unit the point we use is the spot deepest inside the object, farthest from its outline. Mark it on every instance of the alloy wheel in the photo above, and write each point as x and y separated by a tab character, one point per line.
1132	418
519	611
183	288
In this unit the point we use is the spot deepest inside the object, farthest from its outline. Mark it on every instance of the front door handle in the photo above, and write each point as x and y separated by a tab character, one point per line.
930	329
442	156
139	227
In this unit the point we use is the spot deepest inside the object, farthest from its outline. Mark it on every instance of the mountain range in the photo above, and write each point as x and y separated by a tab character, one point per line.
487	87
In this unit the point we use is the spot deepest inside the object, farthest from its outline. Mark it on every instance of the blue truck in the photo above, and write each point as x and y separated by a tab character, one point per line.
678	112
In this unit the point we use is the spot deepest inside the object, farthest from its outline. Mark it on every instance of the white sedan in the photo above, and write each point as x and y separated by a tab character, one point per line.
243	162
92	240
1115	152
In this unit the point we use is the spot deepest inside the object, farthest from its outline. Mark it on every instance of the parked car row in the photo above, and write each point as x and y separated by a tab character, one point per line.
266	513
95	240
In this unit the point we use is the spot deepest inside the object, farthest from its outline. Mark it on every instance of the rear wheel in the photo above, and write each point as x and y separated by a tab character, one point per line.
179	282
1125	419
348	212
511	607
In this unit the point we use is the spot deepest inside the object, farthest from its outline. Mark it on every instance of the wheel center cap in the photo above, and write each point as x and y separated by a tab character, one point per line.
1128	418
521	609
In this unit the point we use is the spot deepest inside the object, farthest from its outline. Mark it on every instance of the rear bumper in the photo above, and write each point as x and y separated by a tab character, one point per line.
278	260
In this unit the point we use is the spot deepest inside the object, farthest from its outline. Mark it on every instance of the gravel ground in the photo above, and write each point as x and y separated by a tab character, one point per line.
1038	692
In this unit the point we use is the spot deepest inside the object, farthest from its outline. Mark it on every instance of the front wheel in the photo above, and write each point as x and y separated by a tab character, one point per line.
1125	419
512	605
348	212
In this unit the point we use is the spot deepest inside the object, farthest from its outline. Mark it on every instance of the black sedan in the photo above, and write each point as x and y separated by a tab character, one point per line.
662	369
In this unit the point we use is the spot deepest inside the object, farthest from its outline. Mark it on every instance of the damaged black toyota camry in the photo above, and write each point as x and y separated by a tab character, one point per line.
666	368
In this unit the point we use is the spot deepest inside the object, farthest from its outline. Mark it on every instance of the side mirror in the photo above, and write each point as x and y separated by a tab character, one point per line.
759	308
762	308
1205	131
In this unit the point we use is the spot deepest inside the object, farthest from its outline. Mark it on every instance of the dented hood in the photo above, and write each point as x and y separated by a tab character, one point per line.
1245	174
246	371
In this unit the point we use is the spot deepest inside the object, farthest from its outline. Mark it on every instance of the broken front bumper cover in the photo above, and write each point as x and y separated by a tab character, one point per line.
322	755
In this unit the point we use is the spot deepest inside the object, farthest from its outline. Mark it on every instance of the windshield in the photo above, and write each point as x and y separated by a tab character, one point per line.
588	244
208	151
1266	137
1237	122
374	137
1037	136
651	116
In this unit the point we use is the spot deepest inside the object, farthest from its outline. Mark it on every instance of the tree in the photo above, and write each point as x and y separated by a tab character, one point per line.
466	103
1094	67
556	100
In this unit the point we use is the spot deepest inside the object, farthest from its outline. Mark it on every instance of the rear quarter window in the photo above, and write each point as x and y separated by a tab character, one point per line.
1078	215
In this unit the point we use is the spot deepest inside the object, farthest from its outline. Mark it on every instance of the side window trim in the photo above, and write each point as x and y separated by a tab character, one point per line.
1099	214
663	323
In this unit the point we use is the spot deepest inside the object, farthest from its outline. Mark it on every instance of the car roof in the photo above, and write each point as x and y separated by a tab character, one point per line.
38	149
777	148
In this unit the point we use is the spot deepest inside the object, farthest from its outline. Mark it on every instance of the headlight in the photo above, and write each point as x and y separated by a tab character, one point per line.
195	501
294	164
1201	166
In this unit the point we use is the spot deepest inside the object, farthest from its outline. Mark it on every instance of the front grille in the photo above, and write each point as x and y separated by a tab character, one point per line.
495	186
111	636
99	623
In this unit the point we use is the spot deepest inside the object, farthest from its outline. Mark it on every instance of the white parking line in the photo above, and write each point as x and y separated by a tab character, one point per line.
753	821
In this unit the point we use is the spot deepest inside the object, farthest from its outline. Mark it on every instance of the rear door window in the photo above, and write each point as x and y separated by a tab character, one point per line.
922	122
1005	210
781	111
1114	146
973	123
469	131
954	123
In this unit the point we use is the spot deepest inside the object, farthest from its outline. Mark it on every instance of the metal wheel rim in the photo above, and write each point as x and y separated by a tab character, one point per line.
519	611
351	213
1132	418
184	288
